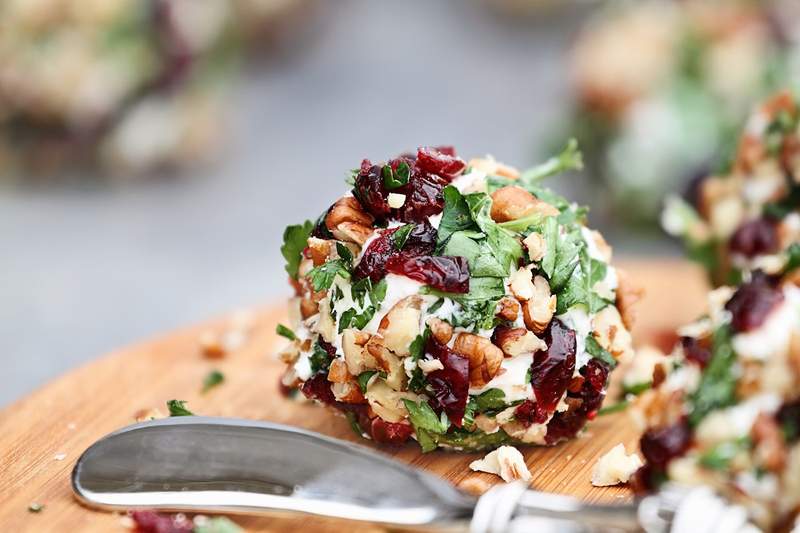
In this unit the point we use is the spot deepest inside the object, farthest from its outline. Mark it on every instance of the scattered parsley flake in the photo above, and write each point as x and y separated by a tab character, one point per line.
178	408
214	378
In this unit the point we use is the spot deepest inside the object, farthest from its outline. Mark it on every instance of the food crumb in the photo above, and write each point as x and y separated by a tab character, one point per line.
506	462
127	522
615	467
35	507
60	456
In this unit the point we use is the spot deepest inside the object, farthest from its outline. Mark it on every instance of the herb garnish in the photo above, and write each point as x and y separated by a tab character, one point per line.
178	408
322	277
295	240
214	378
394	179
283	331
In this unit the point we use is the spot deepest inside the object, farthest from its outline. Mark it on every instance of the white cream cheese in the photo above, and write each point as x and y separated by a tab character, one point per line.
511	379
578	320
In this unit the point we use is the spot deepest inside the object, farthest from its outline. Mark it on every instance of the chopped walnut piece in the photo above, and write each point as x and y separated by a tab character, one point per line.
506	462
536	246
615	467
539	310
628	294
508	308
484	357
441	330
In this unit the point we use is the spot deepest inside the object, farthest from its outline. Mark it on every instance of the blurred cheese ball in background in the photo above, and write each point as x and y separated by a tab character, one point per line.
748	218
725	408
661	86
463	305
123	86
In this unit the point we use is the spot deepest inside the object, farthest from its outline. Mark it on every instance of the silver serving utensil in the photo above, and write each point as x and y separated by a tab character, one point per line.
205	464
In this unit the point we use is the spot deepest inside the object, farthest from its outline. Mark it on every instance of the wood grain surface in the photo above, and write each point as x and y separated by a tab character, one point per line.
44	433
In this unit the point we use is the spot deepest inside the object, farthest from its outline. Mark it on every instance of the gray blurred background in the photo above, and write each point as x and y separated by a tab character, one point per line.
87	268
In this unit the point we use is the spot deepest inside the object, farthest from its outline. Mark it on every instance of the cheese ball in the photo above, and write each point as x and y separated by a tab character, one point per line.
460	304
725	409
748	219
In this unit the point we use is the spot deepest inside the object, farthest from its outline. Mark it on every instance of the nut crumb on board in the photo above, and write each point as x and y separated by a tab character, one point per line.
216	345
60	456
143	415
506	461
615	467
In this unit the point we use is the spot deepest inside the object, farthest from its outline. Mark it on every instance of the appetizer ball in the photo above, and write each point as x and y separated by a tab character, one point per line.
661	86
463	305
725	409
748	218
127	84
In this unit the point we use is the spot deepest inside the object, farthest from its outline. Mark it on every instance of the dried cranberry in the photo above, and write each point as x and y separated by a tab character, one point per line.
441	160
755	237
530	412
153	522
369	190
752	302
319	388
661	445
552	369
646	480
583	403
696	350
449	274
421	241
424	196
450	385
388	432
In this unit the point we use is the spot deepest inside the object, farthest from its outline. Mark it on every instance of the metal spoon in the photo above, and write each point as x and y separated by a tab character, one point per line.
243	466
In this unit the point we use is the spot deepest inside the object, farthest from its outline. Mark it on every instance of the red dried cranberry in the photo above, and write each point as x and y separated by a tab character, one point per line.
369	190
752	302
441	161
388	432
449	274
755	237
646	480
153	522
319	388
450	385
424	196
421	241
530	412
661	445
696	350
583	403
552	369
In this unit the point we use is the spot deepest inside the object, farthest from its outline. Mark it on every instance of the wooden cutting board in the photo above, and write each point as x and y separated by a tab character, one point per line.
44	433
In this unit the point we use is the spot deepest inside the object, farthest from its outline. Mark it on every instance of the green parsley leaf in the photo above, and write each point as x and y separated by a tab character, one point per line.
319	359
178	408
322	276
613	408
214	378
295	240
594	349
423	416
363	379
471	409
426	442
400	236
637	388
505	247
354	425
720	456
394	179
521	224
345	254
478	254
283	331
435	306
455	216
550	234
490	400
473	441
717	387
570	158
